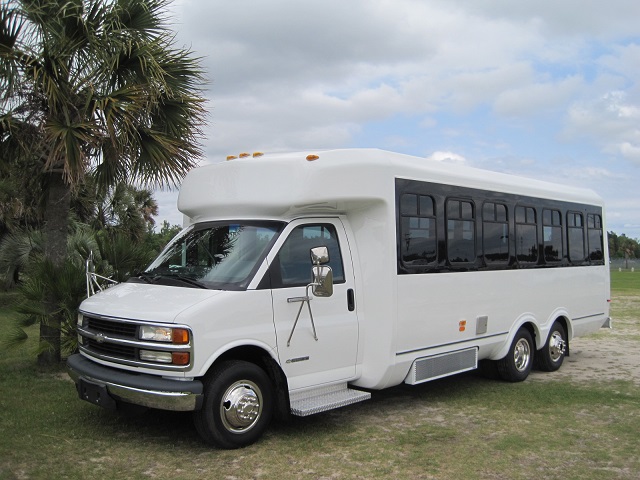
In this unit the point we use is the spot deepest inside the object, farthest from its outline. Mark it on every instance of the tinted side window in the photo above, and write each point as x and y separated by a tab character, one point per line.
292	266
595	237
495	233
526	235
575	237
461	231
418	239
552	230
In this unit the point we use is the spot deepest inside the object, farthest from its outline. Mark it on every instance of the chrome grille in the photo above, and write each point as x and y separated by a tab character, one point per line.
117	341
111	350
128	330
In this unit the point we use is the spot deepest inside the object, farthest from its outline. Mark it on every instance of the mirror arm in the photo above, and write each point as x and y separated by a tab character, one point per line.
304	299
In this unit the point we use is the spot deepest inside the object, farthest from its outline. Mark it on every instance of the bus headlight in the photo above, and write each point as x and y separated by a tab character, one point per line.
178	336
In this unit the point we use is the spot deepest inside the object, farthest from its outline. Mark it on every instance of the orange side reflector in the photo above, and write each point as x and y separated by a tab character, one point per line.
311	158
180	358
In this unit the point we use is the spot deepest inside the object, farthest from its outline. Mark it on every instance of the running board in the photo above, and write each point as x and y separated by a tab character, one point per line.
322	399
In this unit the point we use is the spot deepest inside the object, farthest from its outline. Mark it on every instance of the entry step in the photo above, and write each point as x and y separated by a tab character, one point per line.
322	399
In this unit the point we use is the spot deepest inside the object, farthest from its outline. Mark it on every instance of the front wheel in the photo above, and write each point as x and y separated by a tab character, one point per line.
237	407
550	357
515	367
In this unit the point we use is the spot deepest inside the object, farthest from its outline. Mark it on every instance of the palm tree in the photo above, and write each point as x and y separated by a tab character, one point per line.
123	207
95	86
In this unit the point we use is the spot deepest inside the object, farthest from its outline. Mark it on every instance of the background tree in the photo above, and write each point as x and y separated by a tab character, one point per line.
621	246
94	86
124	207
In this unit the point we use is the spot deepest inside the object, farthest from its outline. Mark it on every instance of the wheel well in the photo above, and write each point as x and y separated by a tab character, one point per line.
260	357
529	326
248	354
534	331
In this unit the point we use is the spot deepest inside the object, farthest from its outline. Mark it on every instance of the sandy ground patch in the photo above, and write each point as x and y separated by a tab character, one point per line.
611	354
598	360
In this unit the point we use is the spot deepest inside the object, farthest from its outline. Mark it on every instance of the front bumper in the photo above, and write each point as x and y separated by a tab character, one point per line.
105	386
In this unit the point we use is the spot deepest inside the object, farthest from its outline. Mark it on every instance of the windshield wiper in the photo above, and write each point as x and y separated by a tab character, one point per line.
146	277
181	278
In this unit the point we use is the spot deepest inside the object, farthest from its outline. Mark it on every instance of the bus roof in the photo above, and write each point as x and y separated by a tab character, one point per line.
336	181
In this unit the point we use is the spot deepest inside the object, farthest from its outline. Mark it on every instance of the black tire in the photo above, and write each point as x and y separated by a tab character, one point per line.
550	357
515	367
488	369
237	407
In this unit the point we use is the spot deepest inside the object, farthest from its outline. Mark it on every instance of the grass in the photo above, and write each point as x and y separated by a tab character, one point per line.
625	282
461	427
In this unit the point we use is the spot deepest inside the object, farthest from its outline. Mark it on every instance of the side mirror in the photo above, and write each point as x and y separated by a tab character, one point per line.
319	255
322	285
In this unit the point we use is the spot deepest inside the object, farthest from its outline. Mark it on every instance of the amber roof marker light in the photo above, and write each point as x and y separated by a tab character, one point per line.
311	158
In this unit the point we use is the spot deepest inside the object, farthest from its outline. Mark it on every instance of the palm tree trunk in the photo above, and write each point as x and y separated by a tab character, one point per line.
56	217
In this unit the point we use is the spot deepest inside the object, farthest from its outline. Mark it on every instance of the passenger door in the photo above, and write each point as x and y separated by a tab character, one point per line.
331	357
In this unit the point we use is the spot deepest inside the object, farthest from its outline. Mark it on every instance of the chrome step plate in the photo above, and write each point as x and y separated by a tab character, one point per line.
321	399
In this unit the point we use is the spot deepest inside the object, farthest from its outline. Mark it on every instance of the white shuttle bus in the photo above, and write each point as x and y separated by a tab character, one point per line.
302	282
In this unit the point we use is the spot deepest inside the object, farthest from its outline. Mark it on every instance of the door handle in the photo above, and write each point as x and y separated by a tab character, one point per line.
351	300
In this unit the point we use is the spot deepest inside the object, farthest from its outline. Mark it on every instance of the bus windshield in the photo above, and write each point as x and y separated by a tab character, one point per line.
216	255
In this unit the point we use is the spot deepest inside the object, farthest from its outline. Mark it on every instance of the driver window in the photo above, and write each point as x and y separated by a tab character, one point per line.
293	261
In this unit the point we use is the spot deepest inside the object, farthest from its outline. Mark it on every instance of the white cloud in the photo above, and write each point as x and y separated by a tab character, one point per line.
405	55
612	121
624	60
536	97
447	157
629	151
605	20
439	76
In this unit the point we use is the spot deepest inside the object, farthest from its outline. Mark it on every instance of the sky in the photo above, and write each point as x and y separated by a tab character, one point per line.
546	89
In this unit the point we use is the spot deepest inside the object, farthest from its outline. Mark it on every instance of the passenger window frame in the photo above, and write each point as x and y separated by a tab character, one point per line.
414	209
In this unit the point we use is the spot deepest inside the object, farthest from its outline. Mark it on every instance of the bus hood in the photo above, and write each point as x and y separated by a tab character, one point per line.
141	301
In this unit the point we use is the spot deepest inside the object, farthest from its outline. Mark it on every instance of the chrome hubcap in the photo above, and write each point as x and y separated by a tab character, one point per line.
241	406
557	346
522	355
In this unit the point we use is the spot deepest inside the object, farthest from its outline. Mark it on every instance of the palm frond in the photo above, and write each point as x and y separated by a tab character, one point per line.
162	160
143	19
12	338
124	258
18	248
11	24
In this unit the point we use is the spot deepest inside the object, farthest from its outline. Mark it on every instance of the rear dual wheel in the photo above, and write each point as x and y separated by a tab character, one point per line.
550	357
